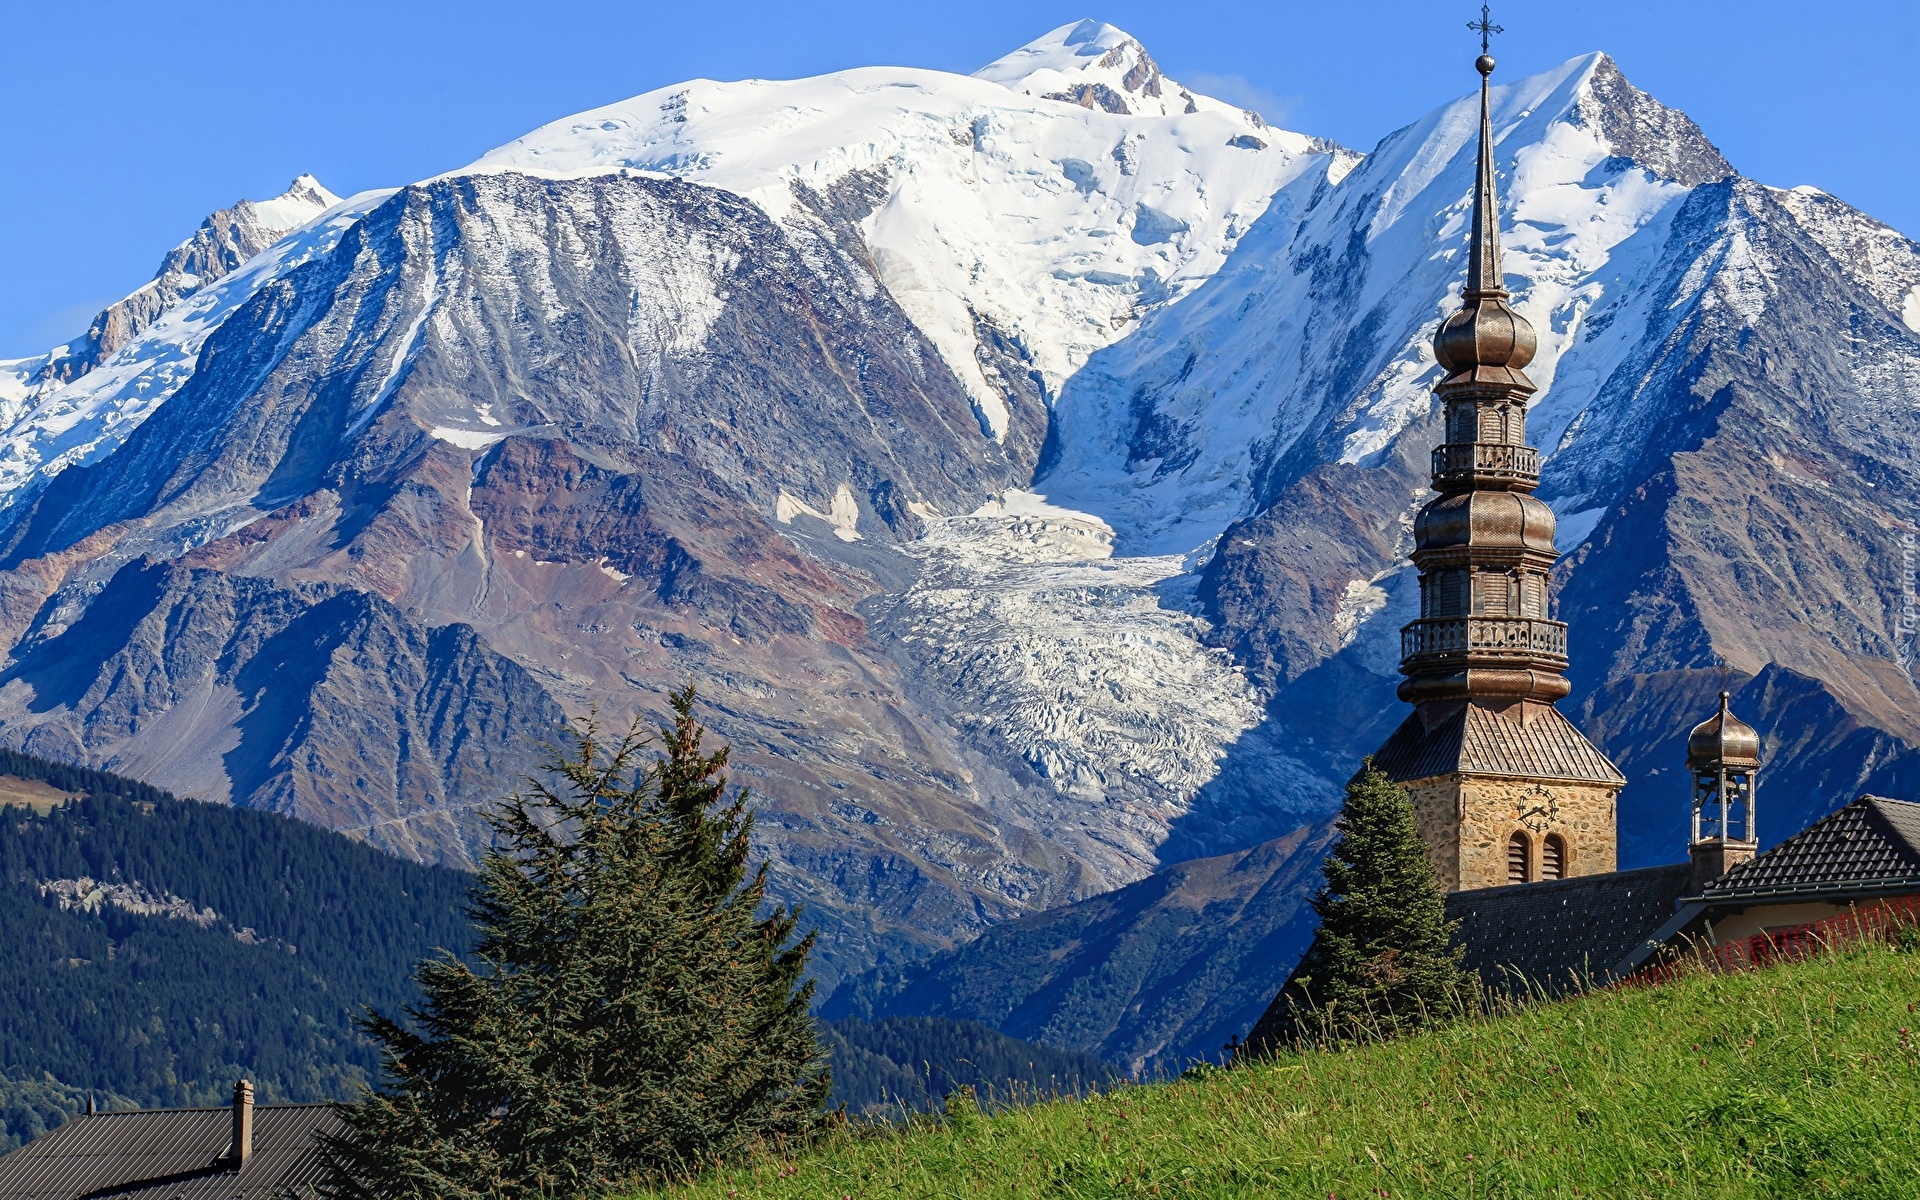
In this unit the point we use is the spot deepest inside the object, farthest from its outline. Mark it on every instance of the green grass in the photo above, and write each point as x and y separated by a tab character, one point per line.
1795	1081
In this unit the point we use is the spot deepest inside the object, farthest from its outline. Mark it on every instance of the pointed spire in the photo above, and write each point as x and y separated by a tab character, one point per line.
1486	343
1484	277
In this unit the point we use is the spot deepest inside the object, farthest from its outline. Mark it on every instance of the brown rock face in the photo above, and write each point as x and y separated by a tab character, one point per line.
318	701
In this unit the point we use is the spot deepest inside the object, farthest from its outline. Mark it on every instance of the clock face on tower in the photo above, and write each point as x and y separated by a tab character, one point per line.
1538	808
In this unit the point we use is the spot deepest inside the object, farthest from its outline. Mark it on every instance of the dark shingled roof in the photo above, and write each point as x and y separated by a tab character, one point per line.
1480	741
1871	844
171	1154
1558	933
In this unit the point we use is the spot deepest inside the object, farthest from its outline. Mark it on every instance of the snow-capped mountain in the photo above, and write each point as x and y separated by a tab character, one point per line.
993	213
77	402
1020	463
1323	324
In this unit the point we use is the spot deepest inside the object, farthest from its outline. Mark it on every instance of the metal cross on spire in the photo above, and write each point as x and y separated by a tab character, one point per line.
1486	28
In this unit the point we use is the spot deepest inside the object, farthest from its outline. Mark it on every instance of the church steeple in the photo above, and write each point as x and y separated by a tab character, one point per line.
1505	789
1485	547
1723	756
1486	342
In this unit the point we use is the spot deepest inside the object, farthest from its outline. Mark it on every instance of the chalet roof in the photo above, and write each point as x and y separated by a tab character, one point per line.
1478	740
171	1154
1872	844
1559	933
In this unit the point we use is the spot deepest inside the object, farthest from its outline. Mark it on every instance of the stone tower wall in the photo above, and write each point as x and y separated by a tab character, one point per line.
1467	822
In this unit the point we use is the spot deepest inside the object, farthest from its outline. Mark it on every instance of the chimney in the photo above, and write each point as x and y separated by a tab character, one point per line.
242	1144
91	1110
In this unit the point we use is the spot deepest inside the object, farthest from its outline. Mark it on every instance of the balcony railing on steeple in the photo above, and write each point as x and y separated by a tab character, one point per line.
1519	637
1484	462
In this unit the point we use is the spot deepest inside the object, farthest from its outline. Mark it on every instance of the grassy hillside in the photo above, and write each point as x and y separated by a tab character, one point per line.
1796	1081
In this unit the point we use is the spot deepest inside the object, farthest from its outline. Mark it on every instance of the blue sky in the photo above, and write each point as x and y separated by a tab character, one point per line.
123	124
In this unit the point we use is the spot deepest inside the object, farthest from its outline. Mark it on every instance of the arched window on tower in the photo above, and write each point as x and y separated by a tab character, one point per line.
1517	858
1553	858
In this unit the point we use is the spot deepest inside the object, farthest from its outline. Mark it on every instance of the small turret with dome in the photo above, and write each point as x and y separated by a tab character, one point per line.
1723	756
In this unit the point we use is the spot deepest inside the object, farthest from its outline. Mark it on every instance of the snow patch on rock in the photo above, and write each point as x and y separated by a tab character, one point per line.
467	439
843	512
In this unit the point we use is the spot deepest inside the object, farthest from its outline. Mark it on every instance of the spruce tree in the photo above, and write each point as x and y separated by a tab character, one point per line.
628	1014
1380	963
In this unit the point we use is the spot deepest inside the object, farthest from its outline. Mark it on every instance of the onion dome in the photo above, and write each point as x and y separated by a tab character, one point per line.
1486	342
1723	740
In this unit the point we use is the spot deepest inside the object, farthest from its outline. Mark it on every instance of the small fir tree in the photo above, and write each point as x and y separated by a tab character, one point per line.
1380	963
630	1014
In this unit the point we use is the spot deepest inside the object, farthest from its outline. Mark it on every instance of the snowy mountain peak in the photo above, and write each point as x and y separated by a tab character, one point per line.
1663	140
1096	65
1171	433
225	240
304	199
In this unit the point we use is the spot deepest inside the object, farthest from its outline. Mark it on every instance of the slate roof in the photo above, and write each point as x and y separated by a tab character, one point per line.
1870	845
1480	741
170	1154
1558	933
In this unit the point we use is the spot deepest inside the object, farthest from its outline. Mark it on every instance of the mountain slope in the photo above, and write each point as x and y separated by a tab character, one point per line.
632	429
223	243
78	402
1713	354
1021	464
1153	976
885	1070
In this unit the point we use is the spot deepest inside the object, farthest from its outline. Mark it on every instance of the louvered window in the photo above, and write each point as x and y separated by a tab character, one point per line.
1463	425
1533	596
1553	858
1517	858
1492	600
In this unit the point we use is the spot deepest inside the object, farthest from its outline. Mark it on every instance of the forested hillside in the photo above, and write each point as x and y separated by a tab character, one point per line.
153	950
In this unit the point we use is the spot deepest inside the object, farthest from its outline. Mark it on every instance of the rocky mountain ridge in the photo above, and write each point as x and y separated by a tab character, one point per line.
1021	465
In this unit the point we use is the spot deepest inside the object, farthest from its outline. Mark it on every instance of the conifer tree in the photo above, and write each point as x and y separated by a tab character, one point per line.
1380	963
628	1014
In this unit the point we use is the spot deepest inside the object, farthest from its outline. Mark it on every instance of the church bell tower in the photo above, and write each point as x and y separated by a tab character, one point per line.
1504	788
1723	756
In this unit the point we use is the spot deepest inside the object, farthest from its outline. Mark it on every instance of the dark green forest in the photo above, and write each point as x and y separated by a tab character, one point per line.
306	928
154	1011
